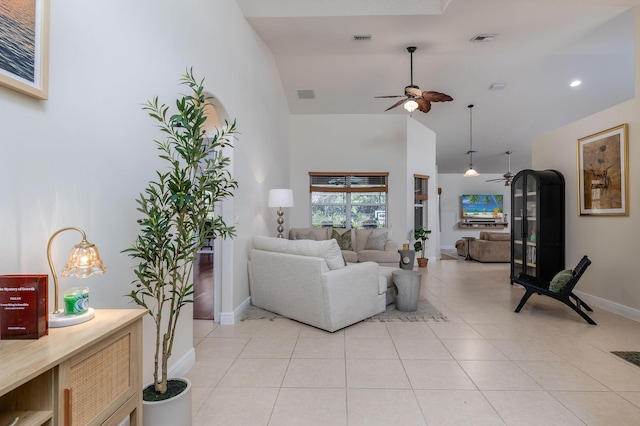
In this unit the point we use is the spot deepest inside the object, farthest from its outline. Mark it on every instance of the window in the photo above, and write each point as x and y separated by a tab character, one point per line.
348	200
420	201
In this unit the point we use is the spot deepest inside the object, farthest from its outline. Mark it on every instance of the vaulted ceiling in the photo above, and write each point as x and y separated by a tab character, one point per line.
540	46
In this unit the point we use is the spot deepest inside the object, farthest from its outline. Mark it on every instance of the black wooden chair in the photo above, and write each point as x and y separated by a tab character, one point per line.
566	296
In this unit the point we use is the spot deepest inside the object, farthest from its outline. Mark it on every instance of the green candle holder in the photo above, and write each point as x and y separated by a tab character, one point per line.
76	300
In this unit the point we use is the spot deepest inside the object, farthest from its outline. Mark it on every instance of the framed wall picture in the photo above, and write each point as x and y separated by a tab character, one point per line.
24	46
603	173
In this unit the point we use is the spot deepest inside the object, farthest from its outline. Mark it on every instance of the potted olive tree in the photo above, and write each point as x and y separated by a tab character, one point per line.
175	207
421	235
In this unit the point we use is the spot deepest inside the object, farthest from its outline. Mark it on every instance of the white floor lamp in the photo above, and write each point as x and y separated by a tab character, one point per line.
280	198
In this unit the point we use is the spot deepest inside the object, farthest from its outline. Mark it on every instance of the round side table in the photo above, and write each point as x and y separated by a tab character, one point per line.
408	287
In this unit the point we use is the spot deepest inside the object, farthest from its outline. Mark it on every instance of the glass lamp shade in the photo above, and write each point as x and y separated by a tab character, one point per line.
471	172
84	261
410	105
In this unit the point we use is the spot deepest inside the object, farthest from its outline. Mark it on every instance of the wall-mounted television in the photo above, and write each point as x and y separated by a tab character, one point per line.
482	206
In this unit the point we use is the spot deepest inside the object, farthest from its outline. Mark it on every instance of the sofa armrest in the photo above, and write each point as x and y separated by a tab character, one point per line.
353	294
391	245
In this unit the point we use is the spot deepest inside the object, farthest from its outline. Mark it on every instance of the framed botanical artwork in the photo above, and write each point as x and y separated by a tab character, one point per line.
603	173
24	46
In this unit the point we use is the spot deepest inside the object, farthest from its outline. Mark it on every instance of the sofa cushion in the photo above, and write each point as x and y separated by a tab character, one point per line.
327	249
379	256
498	236
306	236
350	256
376	242
560	280
362	235
318	233
343	239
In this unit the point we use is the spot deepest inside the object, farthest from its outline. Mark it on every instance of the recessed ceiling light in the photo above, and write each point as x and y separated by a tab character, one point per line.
575	83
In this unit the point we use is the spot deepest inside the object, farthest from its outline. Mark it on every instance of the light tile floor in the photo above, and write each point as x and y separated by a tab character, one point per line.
485	366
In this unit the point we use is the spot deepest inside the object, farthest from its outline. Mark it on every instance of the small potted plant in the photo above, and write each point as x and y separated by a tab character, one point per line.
175	223
421	235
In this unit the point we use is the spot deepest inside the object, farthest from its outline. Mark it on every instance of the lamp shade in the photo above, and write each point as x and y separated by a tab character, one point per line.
471	172
84	261
410	105
280	198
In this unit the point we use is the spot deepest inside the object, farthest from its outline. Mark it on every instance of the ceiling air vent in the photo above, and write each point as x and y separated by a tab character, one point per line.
483	38
362	37
306	94
497	86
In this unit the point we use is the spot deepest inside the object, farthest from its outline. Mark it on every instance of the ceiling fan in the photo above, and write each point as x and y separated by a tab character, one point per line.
414	98
507	177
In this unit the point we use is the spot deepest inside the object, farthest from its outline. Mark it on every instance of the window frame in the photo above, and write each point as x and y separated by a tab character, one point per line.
346	187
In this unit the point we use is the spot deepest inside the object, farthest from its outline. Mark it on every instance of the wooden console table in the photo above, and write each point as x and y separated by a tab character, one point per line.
86	374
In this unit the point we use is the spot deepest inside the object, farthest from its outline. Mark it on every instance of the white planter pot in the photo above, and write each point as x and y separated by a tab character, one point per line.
171	412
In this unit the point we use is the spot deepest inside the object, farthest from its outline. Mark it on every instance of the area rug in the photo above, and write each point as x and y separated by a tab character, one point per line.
426	312
447	256
632	357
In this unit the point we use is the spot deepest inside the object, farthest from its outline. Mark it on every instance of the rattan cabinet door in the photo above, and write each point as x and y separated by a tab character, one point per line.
97	382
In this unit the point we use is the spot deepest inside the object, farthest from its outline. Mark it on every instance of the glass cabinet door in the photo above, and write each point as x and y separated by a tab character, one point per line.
525	217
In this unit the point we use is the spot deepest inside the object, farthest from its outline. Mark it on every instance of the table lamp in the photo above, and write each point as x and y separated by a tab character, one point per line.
84	261
280	198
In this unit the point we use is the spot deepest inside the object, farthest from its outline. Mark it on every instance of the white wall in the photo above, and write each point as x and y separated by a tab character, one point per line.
394	143
81	157
347	143
453	186
610	242
421	160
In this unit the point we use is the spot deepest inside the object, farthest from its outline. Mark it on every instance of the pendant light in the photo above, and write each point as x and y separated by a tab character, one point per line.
471	171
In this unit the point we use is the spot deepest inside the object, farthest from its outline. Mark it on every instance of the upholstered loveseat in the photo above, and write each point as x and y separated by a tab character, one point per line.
310	282
489	247
357	245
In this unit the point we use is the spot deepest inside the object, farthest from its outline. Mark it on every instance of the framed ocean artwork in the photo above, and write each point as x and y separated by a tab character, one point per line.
24	46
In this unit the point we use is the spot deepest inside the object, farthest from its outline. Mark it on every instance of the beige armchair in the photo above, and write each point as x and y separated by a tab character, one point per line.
308	281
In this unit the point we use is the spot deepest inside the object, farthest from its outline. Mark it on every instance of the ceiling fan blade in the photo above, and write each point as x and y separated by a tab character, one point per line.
495	180
400	102
390	96
423	105
432	96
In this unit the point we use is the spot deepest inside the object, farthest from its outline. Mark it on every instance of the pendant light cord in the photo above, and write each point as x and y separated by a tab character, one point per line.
470	135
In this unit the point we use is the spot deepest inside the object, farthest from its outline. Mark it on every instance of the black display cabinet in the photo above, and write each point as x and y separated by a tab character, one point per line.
537	219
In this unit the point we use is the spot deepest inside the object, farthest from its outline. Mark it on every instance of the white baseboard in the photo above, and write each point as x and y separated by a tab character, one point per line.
230	318
447	247
613	307
183	365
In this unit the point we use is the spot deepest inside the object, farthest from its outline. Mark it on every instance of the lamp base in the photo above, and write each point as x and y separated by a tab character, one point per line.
64	320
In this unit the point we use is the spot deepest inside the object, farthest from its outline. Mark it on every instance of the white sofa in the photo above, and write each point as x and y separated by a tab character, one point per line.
360	245
310	282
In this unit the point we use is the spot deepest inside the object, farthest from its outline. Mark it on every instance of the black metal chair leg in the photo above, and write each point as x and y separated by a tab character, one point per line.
524	299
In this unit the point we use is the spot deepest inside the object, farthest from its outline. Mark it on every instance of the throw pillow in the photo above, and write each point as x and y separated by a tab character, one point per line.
377	242
308	236
344	240
560	281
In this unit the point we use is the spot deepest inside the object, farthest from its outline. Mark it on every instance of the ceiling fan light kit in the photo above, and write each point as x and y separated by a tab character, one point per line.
414	98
